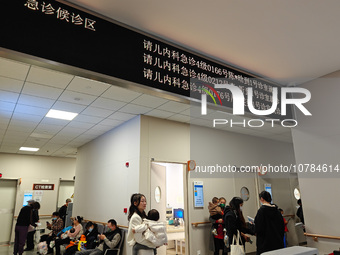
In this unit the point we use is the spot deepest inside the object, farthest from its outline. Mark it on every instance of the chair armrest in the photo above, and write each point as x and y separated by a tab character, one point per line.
114	251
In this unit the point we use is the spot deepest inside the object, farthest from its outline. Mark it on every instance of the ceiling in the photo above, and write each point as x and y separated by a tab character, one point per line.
28	92
289	42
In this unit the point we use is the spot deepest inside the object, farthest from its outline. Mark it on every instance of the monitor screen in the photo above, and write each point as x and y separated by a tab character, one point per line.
178	213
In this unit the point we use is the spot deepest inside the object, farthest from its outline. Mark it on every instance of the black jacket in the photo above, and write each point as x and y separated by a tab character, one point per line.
91	237
25	216
233	223
269	227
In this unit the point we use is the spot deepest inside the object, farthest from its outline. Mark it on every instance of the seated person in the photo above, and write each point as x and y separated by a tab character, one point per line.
91	235
151	230
78	231
108	240
56	226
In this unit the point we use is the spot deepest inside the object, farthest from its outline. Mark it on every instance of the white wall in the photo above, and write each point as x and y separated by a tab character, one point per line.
38	170
178	142
103	183
211	147
317	140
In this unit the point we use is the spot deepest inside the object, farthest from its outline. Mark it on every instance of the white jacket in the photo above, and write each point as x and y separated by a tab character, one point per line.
153	231
132	238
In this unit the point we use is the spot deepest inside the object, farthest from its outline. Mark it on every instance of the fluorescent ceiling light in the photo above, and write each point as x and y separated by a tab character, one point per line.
28	149
61	115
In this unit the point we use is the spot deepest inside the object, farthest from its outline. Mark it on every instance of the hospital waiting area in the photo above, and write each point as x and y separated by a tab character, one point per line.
152	127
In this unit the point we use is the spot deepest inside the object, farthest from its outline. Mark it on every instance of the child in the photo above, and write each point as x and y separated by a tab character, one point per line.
286	229
215	213
151	230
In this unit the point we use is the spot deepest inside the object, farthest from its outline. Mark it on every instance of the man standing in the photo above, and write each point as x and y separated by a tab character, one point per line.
269	226
108	240
63	211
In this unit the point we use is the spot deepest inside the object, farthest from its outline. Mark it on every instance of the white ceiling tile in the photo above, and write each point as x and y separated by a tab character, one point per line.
48	129
73	130
122	116
9	149
88	86
5	115
69	107
159	114
21	128
9	84
100	128
120	94
34	142
38	90
135	109
31	110
26	117
49	77
59	140
12	135
93	111
41	135
13	69
24	123
149	101
56	122
7	96
35	101
76	97
88	119
111	123
78	124
108	104
6	106
172	106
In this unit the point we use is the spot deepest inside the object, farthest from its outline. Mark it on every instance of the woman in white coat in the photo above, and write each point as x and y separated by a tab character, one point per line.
135	217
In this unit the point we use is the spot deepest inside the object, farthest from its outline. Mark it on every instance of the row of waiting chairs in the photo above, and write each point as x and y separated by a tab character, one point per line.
102	229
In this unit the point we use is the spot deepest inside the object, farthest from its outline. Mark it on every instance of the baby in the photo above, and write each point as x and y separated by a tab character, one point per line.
151	230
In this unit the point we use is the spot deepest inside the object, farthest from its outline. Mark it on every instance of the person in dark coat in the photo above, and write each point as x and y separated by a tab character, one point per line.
269	226
299	211
91	235
21	228
35	219
234	221
63	210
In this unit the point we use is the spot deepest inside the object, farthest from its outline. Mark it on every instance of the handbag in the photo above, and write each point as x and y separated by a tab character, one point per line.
31	228
236	248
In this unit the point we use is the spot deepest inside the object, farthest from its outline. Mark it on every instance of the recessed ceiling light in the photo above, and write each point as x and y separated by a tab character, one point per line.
61	115
28	149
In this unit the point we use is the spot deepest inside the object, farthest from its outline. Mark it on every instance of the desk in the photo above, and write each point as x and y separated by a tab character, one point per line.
176	234
296	250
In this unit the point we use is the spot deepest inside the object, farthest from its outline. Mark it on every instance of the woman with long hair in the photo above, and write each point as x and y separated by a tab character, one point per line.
135	218
234	220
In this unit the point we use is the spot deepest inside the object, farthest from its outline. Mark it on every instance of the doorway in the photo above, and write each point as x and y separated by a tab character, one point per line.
168	196
66	190
8	191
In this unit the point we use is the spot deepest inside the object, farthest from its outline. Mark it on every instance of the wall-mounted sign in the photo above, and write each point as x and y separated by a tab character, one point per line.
58	32
198	194
268	187
43	186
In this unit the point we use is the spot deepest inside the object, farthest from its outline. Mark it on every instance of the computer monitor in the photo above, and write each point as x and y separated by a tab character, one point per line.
178	213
